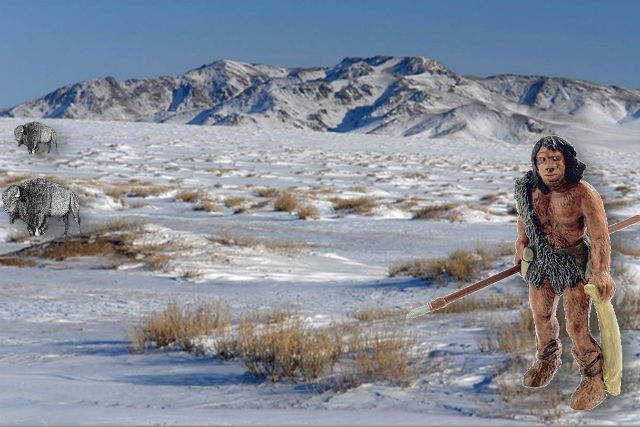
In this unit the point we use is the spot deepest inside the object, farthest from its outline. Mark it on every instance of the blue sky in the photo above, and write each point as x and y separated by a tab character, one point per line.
47	44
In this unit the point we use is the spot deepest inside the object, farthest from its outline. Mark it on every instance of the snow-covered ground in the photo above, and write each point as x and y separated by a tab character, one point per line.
63	324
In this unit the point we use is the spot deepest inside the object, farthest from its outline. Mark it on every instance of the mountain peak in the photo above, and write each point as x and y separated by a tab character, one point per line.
412	65
359	94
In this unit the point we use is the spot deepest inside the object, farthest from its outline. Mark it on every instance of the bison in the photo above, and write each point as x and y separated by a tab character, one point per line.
36	200
33	134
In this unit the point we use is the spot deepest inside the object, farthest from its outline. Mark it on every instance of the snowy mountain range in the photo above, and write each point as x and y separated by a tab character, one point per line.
379	95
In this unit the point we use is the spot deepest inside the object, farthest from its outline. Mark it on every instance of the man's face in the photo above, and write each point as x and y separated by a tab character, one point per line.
551	167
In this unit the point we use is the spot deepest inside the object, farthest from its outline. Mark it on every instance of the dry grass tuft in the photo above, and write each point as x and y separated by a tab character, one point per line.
308	212
628	308
488	198
8	178
267	192
135	205
490	304
516	339
157	261
228	238
18	236
280	346
435	211
233	202
382	354
149	190
206	205
17	262
287	350
625	250
190	196
361	205
615	204
461	264
113	227
376	313
359	189
286	203
178	323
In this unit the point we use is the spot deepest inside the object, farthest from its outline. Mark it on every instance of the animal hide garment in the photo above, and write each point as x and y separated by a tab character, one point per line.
558	266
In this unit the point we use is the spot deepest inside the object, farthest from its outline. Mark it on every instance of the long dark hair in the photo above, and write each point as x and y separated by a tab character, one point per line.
574	168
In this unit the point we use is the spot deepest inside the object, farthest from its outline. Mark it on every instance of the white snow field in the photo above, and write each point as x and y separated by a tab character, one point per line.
64	324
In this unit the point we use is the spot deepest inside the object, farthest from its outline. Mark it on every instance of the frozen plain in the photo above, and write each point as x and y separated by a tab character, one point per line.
63	358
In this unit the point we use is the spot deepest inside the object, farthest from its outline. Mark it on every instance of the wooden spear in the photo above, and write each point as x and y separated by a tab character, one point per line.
441	302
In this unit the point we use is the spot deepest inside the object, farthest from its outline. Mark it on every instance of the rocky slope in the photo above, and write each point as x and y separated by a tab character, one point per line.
380	95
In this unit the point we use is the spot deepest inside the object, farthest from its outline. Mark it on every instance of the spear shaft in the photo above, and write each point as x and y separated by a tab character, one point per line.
441	302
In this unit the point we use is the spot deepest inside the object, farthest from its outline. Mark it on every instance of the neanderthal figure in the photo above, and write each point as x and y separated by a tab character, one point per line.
562	232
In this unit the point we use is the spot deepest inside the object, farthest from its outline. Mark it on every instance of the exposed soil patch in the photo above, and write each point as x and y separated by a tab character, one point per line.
61	249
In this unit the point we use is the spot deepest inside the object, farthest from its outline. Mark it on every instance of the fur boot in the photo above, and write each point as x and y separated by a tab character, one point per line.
546	365
591	392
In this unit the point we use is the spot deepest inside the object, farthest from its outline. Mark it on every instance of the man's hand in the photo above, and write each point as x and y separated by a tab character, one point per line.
605	285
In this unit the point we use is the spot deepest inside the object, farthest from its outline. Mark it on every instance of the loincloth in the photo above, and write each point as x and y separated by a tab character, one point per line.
581	254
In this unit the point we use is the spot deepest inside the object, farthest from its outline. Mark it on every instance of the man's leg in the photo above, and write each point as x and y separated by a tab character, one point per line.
543	302
586	351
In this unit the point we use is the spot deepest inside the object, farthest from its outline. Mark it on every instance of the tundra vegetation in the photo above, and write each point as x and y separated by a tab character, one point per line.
459	265
281	346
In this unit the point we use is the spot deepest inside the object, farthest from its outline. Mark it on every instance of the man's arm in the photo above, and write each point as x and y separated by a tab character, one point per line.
521	242
595	220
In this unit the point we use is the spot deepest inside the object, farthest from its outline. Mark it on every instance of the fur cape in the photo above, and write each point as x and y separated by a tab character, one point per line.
558	266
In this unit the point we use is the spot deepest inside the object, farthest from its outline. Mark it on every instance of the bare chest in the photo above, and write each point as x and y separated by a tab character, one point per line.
560	216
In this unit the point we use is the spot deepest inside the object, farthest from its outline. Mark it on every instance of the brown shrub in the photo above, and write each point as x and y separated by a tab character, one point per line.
228	238
308	211
615	204
516	339
286	245
8	178
361	205
461	264
382	354
206	205
376	313
435	211
179	323
17	262
136	205
116	192
232	202
18	237
149	190
190	196
625	250
288	350
286	203
489	304
359	189
628	308
267	192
